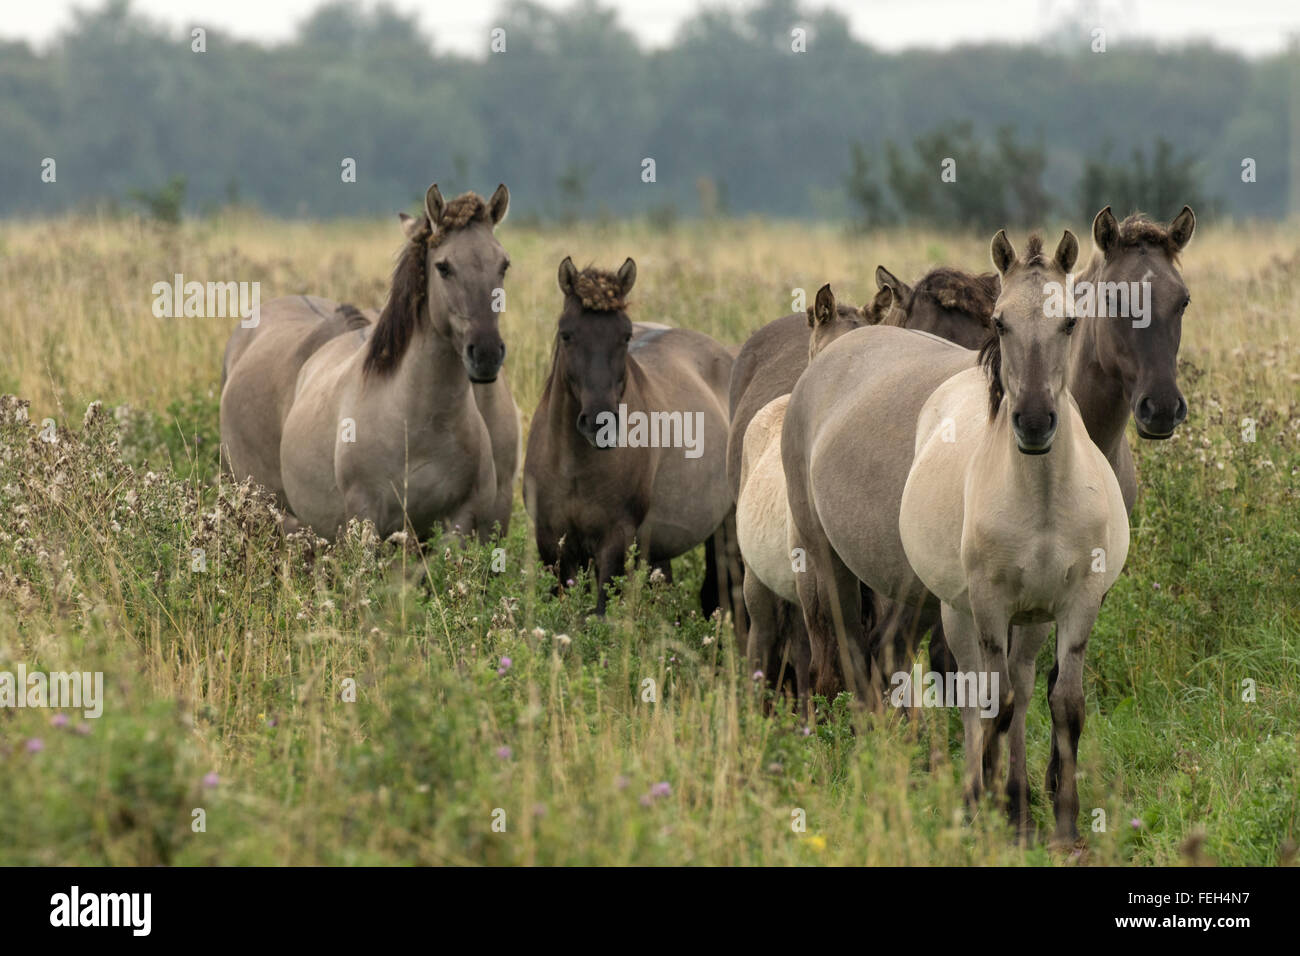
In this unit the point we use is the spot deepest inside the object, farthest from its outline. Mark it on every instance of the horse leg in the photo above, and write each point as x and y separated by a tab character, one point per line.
1024	653
832	613
1067	704
760	646
995	635
963	638
709	590
610	561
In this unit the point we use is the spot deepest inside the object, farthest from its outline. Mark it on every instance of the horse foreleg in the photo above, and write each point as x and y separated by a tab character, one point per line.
1067	704
1027	642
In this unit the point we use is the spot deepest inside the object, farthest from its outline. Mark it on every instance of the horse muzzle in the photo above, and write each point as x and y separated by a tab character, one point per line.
483	361
1157	419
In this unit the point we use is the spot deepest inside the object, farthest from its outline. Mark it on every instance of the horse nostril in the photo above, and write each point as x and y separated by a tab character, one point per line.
1181	414
1144	410
469	350
1051	421
582	421
1015	419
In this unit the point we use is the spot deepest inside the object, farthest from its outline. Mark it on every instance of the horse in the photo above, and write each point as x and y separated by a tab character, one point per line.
403	418
945	302
1012	515
775	638
845	493
627	443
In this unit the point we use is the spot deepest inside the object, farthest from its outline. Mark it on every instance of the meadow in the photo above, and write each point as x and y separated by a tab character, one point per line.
379	703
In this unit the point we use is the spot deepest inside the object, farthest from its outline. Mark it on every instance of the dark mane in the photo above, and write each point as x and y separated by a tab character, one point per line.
990	359
961	291
599	291
1139	228
405	310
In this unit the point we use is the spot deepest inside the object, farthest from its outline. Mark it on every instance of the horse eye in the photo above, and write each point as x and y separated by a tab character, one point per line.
565	336
1187	301
443	267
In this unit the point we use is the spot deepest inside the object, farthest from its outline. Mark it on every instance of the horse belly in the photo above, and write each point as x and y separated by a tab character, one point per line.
762	525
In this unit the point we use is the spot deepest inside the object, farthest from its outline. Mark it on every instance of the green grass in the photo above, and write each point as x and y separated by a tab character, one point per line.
240	670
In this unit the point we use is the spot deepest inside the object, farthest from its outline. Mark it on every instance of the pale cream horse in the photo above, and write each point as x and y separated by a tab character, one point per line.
403	420
1011	515
763	520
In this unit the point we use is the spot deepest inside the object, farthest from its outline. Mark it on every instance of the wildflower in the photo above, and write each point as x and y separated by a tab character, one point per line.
757	675
1135	823
211	779
505	665
59	720
661	789
622	781
538	633
35	745
505	753
818	843
563	640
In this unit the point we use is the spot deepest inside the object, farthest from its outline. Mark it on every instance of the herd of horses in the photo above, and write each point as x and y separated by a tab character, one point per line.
949	460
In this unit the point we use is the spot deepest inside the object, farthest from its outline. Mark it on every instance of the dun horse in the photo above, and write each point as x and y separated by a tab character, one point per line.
403	420
1011	515
845	494
627	443
762	522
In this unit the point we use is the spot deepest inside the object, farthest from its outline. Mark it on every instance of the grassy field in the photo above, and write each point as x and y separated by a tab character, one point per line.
493	723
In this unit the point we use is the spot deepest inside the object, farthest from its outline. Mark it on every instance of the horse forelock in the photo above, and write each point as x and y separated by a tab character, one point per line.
599	291
1138	228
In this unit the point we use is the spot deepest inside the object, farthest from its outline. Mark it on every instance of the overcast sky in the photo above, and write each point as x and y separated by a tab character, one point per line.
1250	26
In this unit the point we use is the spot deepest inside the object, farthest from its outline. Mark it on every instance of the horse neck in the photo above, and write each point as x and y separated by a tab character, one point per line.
1100	394
430	379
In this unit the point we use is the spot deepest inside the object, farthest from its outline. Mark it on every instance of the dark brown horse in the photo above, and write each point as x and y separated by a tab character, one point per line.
627	445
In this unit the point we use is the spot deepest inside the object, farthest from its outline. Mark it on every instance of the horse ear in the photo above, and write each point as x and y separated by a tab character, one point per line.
568	276
627	275
1105	231
896	286
434	205
1181	229
824	305
1004	254
498	204
410	225
880	306
1067	251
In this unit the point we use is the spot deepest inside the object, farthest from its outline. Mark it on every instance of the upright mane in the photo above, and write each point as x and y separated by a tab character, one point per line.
1139	228
406	310
962	291
599	291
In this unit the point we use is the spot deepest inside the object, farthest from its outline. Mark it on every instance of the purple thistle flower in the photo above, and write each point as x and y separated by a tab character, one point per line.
661	789
505	665
505	753
211	779
35	745
1135	823
59	720
757	675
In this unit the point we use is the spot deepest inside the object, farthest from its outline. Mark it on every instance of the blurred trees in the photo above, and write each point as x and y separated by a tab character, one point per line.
567	114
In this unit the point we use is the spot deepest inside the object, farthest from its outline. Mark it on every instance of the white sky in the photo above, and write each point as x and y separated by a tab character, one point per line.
1250	26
